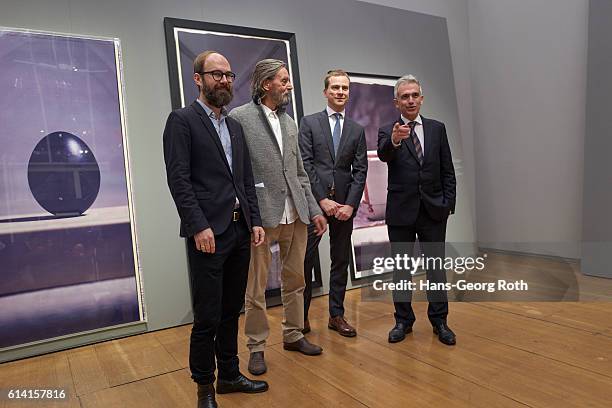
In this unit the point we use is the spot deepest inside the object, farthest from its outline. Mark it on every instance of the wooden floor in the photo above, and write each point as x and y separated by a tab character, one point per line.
507	355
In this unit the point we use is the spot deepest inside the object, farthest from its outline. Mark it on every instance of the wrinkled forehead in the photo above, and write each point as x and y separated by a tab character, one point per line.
282	74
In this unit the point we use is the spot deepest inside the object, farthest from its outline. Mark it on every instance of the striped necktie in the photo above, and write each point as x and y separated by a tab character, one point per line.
416	142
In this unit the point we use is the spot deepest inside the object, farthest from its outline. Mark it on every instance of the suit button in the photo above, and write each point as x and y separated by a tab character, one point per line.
283	191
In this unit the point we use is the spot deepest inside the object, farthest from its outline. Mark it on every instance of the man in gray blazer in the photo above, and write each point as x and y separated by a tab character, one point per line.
286	204
334	152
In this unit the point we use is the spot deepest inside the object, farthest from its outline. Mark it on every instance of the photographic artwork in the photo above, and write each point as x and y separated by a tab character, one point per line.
67	243
371	105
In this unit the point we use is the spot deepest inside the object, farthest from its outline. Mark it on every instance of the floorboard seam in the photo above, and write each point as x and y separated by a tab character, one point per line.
133	381
446	371
543	356
323	379
100	361
534	318
71	374
178	363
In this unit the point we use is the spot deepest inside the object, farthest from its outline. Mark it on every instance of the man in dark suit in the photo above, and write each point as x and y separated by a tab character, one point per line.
210	177
334	152
421	196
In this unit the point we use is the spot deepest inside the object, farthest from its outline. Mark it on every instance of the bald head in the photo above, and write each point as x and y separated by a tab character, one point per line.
200	61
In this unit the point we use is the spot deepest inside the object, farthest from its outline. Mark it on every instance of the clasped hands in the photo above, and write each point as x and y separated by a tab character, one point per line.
342	212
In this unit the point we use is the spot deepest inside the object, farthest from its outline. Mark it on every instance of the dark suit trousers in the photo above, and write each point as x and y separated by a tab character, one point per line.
218	283
432	235
340	250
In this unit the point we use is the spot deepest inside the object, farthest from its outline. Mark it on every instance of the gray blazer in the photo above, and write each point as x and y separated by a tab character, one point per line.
276	175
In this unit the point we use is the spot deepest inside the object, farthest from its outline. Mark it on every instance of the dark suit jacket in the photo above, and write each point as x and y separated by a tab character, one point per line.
347	172
409	183
199	177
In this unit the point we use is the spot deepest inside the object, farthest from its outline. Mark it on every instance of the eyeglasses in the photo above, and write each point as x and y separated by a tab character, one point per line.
218	75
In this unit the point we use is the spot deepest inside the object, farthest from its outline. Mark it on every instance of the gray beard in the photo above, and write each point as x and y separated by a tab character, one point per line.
282	102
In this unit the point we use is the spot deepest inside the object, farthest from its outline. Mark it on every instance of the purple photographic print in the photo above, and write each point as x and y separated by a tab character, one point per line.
67	249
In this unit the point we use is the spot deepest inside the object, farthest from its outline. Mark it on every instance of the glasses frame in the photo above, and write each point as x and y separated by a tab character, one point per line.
229	75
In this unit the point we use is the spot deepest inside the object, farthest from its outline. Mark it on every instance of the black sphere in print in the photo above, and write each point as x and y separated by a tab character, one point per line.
63	174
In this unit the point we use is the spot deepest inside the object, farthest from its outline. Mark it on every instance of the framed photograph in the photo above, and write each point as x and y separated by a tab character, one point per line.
371	105
67	242
243	47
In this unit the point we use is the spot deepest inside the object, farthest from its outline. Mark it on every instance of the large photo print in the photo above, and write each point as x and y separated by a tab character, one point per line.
67	244
371	105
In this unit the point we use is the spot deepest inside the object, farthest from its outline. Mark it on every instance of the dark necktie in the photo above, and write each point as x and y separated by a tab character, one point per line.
415	140
337	133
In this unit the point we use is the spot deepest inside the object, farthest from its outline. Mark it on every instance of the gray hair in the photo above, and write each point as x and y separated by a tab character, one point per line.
264	70
411	79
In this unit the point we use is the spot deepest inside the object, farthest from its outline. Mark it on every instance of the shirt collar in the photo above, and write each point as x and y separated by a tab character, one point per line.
209	111
418	120
331	112
269	112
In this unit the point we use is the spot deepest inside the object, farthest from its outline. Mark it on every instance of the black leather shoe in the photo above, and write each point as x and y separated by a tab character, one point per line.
399	332
206	396
445	334
241	384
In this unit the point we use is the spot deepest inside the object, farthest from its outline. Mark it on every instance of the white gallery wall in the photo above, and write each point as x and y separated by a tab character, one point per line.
528	64
596	221
520	72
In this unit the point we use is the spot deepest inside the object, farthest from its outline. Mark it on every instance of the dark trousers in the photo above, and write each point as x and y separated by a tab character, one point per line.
340	252
432	235
218	283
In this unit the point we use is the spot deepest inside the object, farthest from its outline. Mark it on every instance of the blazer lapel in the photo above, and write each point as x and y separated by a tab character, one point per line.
409	144
262	116
286	145
235	142
324	121
426	138
212	132
346	132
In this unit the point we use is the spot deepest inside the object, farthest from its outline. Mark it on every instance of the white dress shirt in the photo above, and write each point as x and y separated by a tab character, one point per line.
332	119
418	128
290	214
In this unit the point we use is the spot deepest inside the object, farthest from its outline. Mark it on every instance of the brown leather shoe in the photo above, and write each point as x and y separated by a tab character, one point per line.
341	326
257	364
304	347
306	328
